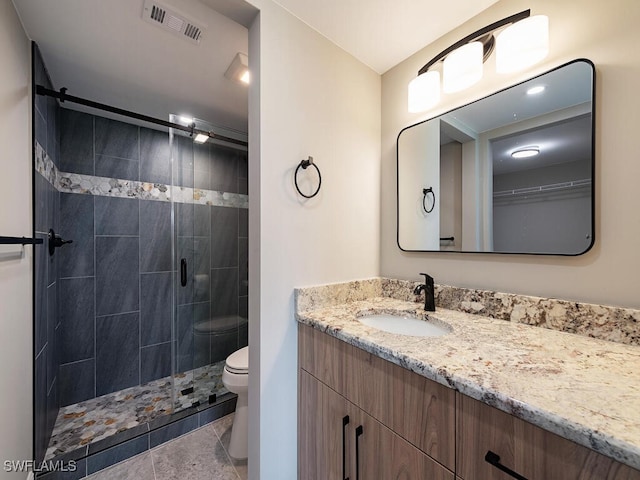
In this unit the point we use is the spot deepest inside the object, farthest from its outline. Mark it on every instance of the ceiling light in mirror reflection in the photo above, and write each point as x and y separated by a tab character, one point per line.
526	152
536	90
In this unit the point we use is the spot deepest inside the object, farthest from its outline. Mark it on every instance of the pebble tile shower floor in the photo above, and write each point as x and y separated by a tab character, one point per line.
98	418
198	455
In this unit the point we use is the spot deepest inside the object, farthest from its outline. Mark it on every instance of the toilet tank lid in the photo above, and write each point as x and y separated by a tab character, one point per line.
221	324
239	360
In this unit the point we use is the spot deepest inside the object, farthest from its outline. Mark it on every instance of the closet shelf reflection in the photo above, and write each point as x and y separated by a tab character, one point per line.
541	189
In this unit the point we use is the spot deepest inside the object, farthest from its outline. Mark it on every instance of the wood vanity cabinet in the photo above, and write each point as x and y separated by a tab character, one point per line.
412	429
529	451
408	421
339	441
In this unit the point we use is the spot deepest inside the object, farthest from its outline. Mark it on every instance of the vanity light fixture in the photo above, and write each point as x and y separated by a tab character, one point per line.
238	70
524	42
525	152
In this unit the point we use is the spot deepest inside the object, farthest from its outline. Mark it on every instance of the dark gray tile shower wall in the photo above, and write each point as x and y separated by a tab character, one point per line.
46	320
116	279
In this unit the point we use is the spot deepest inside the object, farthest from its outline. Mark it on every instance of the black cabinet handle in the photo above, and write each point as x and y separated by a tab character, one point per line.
345	422
183	272
494	459
359	432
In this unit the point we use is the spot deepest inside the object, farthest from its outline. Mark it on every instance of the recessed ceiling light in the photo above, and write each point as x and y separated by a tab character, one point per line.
201	138
536	90
526	152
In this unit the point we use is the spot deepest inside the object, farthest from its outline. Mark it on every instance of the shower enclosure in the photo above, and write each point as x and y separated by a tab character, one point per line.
135	317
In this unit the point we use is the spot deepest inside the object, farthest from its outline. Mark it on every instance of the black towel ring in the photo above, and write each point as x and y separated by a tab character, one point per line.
304	164
425	192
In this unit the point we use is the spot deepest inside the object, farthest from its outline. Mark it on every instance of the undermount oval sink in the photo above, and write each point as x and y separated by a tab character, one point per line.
400	325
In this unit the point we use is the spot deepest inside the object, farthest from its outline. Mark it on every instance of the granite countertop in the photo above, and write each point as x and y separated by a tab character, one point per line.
583	389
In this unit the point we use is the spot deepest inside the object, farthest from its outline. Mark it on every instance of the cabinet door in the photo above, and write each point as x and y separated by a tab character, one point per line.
530	451
369	450
381	454
418	409
322	450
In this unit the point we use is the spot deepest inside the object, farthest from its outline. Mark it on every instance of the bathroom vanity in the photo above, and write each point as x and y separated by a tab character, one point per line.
489	400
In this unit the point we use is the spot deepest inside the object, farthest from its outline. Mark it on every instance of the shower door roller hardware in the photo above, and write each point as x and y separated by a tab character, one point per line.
55	241
183	272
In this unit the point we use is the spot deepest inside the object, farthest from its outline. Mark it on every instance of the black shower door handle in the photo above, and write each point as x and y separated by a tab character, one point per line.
183	272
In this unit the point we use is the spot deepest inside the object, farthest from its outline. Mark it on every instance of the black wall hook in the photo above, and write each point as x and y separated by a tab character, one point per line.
304	164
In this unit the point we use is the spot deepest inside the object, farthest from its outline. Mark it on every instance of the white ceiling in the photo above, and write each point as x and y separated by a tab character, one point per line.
104	51
382	33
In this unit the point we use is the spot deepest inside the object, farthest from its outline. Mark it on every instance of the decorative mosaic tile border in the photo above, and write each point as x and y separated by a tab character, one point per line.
615	324
113	187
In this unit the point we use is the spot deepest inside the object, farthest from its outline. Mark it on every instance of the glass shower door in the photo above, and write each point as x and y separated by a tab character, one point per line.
194	381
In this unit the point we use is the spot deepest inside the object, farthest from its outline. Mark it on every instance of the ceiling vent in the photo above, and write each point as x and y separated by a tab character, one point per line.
162	16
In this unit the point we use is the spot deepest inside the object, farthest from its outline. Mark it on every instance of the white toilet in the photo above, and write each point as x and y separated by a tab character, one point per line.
235	378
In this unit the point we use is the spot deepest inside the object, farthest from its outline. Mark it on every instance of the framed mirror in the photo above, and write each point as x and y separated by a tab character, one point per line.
510	173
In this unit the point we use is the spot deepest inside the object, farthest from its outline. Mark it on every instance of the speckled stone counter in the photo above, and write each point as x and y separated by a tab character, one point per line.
581	388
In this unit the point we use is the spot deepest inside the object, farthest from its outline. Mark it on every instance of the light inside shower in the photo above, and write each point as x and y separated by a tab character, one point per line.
201	138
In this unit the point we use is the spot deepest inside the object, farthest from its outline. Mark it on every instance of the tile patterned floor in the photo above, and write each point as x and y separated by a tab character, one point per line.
98	418
198	455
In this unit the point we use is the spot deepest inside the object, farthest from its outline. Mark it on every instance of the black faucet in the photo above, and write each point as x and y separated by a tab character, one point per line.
429	293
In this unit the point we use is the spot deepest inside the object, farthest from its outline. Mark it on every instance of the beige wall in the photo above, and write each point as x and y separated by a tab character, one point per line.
16	341
311	98
607	34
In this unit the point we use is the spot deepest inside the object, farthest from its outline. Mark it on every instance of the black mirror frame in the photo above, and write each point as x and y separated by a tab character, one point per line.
593	169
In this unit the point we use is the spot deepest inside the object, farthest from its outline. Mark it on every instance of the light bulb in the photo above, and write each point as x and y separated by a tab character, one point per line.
522	44
462	67
424	92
